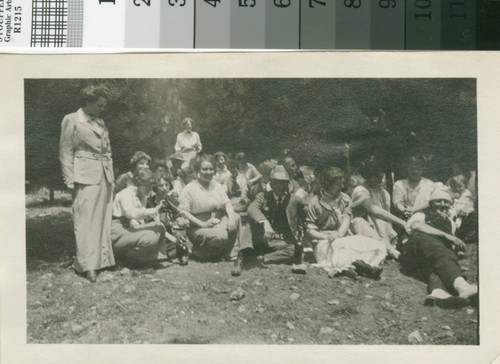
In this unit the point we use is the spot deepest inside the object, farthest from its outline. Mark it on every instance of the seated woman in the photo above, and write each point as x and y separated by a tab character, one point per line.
215	229
222	174
412	194
430	253
138	160
370	208
462	211
184	176
237	188
134	239
248	171
327	220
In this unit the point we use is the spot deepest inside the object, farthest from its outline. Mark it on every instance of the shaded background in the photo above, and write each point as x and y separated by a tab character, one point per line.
314	117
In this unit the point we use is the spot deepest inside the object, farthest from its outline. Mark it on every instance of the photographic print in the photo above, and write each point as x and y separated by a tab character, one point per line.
198	211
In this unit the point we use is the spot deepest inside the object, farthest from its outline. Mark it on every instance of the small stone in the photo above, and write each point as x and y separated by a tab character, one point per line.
333	302
242	309
77	284
350	336
446	327
237	294
61	290
106	278
186	298
388	296
125	272
258	283
148	276
343	282
369	297
294	296
37	304
76	329
294	288
182	313
325	330
424	318
470	311
129	288
367	285
415	338
291	340
290	325
158	280
244	321
259	309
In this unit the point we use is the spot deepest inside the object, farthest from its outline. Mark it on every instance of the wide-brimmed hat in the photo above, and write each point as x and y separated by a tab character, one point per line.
279	173
440	194
177	155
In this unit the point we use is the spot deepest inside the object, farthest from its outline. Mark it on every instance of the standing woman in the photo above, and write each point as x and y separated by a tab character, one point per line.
85	155
188	142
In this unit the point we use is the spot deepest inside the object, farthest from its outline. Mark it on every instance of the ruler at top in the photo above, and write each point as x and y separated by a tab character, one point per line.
250	24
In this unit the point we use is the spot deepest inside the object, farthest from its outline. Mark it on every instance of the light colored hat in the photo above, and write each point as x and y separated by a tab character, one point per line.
279	173
177	155
440	194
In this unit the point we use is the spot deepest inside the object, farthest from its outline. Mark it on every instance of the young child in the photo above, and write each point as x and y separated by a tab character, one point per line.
462	211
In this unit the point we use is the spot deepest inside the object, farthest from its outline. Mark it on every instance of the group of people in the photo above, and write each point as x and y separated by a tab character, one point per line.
230	209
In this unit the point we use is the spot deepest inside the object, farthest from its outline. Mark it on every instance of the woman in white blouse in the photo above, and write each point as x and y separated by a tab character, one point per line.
188	142
215	229
132	237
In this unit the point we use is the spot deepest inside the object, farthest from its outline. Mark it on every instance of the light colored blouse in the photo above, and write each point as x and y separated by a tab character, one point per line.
187	142
223	176
250	172
197	199
128	205
418	196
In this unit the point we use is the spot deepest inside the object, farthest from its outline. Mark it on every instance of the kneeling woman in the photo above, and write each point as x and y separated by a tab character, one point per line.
328	218
215	229
430	252
133	239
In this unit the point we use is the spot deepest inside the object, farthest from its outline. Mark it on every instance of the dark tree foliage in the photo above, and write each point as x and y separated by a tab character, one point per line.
314	117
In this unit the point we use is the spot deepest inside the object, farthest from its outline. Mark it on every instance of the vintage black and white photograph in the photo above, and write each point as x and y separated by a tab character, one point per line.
333	211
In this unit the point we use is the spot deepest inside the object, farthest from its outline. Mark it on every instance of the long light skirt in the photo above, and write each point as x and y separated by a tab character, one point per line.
92	209
339	255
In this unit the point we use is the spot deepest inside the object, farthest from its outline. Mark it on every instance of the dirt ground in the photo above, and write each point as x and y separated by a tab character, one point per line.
174	304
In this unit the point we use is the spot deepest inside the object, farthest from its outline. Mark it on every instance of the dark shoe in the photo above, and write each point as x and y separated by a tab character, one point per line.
452	302
350	273
182	253
238	265
91	276
366	270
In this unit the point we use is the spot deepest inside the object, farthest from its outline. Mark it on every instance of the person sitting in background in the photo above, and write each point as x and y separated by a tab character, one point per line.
462	211
134	239
188	142
370	208
430	254
328	218
184	176
237	188
215	229
138	160
412	194
222	174
248	171
293	172
163	172
176	161
274	233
